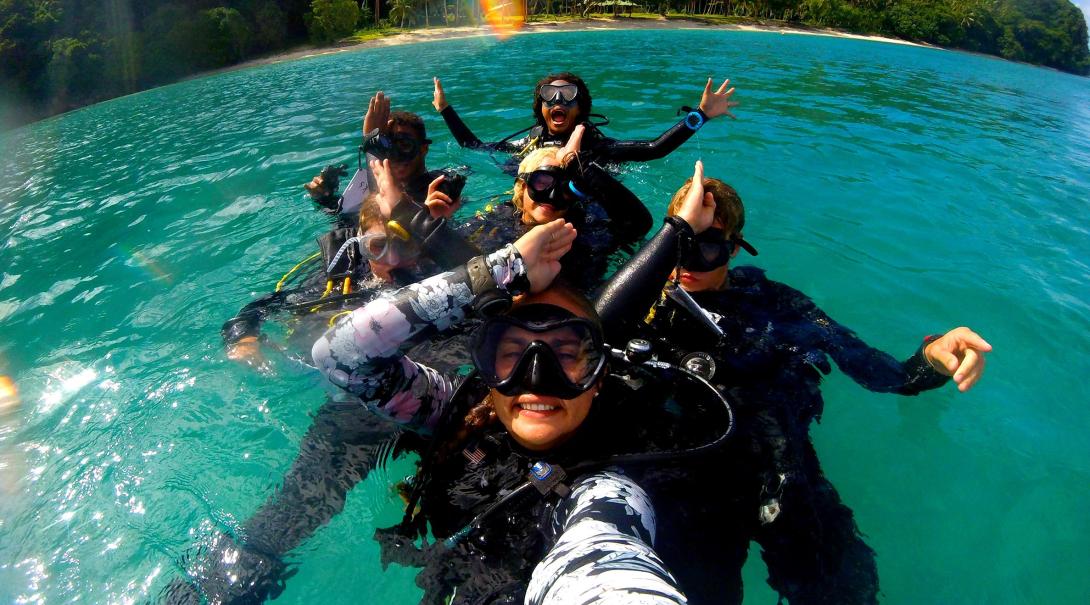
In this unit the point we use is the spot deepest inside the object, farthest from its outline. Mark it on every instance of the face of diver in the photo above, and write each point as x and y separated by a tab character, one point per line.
390	261
560	118
541	422
404	171
534	213
700	281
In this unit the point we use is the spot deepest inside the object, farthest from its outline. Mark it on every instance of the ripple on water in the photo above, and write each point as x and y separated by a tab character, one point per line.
937	187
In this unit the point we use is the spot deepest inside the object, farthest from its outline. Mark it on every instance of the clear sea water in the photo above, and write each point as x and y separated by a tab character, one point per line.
907	190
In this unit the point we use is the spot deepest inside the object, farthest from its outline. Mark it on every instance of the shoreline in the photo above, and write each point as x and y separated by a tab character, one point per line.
414	36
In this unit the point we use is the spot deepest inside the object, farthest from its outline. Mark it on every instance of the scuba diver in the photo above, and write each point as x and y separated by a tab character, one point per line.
562	101
770	346
397	243
555	182
400	137
519	479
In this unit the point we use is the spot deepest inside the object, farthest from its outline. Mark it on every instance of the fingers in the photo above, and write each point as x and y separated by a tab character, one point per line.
971	339
708	87
434	186
438	85
438	197
970	371
723	87
698	173
941	360
709	200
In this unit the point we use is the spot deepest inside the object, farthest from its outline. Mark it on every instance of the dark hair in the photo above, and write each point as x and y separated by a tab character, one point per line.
582	99
409	120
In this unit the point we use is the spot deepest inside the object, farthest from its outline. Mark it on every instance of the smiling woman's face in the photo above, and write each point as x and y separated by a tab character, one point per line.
560	119
541	422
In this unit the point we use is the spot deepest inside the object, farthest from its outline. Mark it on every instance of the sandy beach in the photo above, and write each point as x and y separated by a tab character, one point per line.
543	27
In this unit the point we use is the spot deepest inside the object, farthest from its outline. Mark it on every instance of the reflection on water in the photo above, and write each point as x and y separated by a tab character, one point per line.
936	187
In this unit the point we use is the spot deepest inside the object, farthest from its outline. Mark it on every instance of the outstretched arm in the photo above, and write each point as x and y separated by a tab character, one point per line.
364	353
604	552
458	128
712	105
959	353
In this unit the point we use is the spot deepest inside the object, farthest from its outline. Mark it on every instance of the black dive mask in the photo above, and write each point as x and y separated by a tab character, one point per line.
395	147
541	349
563	94
712	249
552	185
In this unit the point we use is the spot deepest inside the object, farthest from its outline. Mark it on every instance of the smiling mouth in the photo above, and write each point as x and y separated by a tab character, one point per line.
538	407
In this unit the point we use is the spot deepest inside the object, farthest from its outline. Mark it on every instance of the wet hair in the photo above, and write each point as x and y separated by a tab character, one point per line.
532	162
409	120
728	205
583	99
370	213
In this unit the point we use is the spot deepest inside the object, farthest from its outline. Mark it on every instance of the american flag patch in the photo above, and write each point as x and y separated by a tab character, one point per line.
475	456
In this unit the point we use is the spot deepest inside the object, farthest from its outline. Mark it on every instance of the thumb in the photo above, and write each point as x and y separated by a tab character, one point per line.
435	184
708	87
945	359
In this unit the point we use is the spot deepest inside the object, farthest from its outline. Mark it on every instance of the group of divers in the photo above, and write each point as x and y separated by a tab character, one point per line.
580	440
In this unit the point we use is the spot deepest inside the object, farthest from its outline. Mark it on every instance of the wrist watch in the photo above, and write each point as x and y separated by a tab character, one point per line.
694	120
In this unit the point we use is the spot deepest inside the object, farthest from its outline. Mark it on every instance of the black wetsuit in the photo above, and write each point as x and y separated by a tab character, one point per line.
776	348
597	145
316	284
610	219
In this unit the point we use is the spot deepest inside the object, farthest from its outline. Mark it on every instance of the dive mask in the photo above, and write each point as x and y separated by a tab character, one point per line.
563	94
394	240
541	349
712	249
395	147
552	185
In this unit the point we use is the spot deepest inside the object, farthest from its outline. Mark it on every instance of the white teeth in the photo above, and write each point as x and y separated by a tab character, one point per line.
538	407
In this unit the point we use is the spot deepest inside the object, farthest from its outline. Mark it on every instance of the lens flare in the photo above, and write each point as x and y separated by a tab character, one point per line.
505	17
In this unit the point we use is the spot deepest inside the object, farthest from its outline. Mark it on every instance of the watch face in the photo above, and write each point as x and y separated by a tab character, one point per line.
693	120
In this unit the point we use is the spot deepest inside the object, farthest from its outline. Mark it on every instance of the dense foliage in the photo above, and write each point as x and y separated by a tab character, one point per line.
60	54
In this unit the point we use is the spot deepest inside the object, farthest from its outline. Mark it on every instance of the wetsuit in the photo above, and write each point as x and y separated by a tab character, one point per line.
364	354
316	284
611	218
776	348
597	145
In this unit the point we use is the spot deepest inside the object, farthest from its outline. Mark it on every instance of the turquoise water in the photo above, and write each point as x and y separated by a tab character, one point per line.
907	190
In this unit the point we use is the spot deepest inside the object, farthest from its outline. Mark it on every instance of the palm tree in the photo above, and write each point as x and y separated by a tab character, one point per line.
399	10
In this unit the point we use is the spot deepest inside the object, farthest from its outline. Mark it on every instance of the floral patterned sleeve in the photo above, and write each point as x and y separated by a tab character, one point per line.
364	352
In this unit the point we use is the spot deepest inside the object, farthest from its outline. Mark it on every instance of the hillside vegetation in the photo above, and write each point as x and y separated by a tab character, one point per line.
56	55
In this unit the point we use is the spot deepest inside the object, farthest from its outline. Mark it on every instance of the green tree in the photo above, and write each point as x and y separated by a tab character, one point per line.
224	36
401	10
332	19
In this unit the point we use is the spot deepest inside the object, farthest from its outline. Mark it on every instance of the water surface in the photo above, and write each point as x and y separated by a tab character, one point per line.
907	190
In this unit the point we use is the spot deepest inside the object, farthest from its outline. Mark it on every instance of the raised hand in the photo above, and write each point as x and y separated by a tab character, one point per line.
316	188
439	204
958	353
389	194
541	249
570	150
378	113
439	98
698	207
718	103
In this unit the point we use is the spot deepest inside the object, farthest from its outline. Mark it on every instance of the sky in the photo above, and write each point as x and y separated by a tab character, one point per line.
1085	6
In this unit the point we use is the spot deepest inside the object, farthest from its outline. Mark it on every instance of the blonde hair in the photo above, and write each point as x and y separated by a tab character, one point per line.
728	205
532	162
